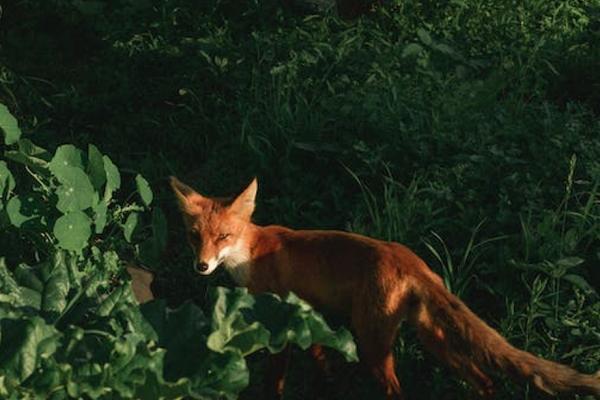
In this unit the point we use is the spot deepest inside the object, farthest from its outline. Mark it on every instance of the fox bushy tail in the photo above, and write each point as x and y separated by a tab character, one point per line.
461	339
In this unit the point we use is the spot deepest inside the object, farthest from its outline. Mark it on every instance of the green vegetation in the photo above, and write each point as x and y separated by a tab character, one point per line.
466	129
69	325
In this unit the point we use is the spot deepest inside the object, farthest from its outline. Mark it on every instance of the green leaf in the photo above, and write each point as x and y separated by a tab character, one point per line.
109	303
230	329
144	189
9	125
26	277
581	283
570	262
76	192
55	276
96	167
65	158
13	209
28	212
29	154
113	178
235	329
424	36
10	292
222	375
130	224
7	181
73	231
247	323
100	216
23	343
412	50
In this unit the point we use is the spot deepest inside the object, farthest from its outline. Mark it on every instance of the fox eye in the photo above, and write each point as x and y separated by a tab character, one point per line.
223	236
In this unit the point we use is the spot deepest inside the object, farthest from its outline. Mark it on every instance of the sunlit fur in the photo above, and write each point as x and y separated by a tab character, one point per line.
375	284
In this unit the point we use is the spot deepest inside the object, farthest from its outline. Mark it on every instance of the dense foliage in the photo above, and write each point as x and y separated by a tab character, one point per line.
465	129
69	327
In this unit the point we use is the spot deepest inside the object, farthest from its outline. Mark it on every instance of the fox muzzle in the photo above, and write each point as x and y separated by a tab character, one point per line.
200	267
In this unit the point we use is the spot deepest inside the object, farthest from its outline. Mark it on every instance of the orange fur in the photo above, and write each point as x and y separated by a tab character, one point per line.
375	284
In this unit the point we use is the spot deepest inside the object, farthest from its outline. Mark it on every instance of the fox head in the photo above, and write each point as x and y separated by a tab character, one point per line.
215	226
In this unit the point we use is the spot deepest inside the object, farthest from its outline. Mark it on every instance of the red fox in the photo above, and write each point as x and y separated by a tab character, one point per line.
375	284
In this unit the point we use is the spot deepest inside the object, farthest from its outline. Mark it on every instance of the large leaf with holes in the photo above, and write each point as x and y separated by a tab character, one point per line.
76	192
73	230
66	156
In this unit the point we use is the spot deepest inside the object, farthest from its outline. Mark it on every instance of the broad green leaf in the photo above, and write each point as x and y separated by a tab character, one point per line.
28	212
246	323
73	231
144	189
45	286
96	167
113	178
182	332
222	376
23	343
130	224
76	192
26	277
65	158
9	125
100	216
109	303
7	181
13	209
9	288
230	329
55	276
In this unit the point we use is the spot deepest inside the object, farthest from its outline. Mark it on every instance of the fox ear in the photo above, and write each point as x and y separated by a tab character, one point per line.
183	193
244	202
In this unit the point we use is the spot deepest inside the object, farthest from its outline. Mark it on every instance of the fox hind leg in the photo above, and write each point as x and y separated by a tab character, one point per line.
277	365
323	377
375	337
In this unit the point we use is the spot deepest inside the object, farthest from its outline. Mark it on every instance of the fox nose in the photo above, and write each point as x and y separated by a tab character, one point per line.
200	266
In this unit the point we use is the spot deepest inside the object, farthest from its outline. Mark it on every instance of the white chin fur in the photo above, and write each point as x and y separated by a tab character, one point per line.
236	261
